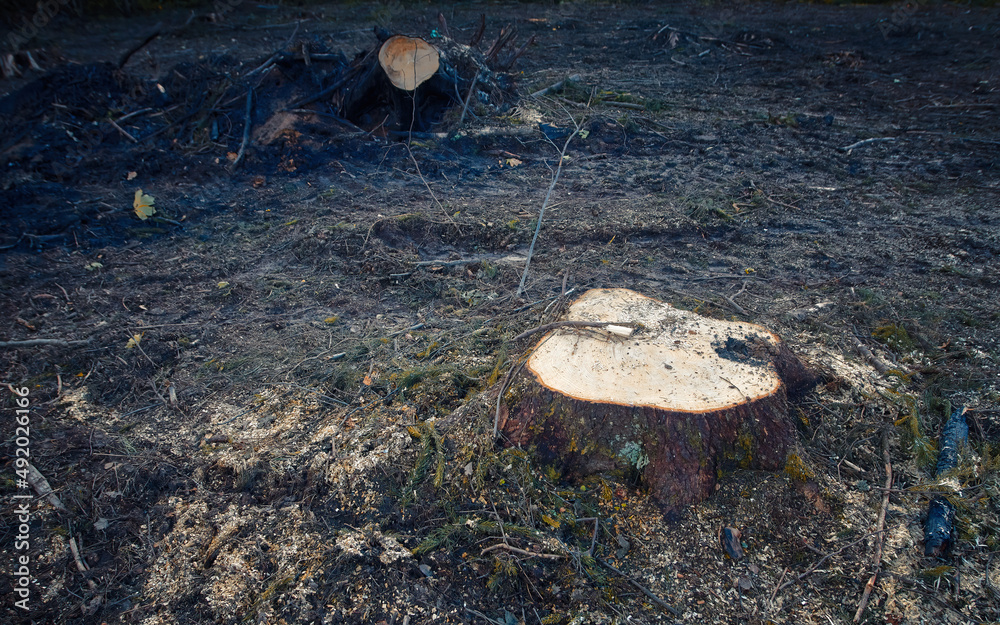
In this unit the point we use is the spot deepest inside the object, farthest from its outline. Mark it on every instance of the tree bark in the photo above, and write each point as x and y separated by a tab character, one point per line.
674	402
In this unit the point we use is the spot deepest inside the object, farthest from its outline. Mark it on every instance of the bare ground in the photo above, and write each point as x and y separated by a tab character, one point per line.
332	321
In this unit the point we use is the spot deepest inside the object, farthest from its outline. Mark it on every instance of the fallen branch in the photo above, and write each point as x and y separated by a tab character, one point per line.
503	389
124	132
866	142
42	487
523	552
465	105
941	515
480	30
139	46
266	65
556	86
649	593
625	105
877	558
809	571
37	342
430	190
246	133
875	361
545	203
325	92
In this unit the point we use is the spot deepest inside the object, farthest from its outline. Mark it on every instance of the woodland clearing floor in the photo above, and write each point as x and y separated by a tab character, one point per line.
302	433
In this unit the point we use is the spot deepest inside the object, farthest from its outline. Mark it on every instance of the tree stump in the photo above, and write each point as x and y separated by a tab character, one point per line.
407	83
664	394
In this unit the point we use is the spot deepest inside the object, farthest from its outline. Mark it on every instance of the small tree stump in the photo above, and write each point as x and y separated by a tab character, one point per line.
680	398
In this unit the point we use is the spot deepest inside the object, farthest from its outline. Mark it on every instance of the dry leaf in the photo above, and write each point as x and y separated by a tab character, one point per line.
134	341
143	205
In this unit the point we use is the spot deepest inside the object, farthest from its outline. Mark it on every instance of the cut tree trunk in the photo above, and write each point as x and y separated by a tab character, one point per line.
664	394
407	83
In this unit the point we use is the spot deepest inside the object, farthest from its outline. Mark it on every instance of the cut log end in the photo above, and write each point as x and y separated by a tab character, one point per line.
408	61
674	402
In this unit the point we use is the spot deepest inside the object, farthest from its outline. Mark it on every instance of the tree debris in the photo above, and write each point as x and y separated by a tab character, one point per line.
941	515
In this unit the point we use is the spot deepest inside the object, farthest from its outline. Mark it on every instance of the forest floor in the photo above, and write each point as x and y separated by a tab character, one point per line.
280	411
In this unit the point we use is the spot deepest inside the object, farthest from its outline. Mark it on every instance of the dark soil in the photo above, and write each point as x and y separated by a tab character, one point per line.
283	409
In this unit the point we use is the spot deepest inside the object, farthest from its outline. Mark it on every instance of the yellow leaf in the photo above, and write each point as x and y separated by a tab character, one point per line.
143	205
223	284
134	341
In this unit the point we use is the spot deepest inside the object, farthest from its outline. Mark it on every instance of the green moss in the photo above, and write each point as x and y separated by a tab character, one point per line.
894	336
745	450
797	469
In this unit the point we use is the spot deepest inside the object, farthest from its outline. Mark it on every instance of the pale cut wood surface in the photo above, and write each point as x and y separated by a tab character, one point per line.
408	61
677	360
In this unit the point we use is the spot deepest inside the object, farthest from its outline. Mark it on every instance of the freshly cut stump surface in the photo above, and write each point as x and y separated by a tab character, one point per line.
665	394
408	61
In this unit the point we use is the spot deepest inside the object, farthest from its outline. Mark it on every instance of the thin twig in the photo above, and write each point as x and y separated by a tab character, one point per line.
37	342
649	593
624	105
556	86
43	488
139	46
541	212
809	571
431	191
266	65
593	539
877	558
575	324
778	586
124	132
465	106
80	565
523	552
866	142
246	133
503	389
483	616
325	92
